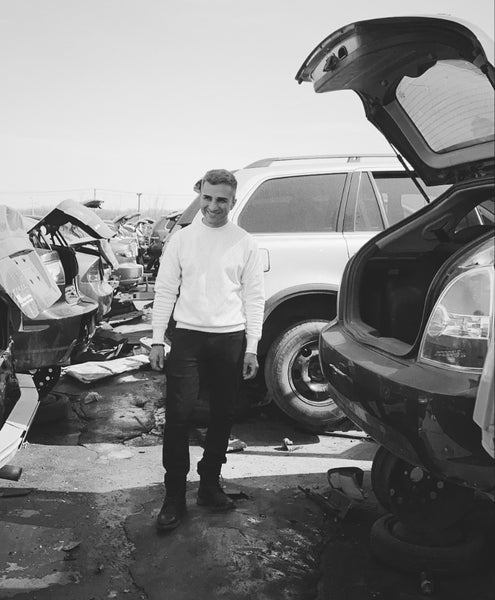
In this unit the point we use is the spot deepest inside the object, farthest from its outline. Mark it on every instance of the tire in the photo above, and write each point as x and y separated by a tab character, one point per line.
380	468
294	378
417	498
465	556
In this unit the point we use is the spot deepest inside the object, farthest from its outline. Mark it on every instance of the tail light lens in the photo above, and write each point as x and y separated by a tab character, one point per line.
461	324
54	267
92	275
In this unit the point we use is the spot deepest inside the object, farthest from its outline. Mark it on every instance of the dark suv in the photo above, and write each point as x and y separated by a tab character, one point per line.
410	356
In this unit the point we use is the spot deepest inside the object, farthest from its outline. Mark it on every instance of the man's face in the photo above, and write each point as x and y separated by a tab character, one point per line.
216	201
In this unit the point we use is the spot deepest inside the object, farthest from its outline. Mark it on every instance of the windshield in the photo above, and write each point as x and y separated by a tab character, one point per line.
451	104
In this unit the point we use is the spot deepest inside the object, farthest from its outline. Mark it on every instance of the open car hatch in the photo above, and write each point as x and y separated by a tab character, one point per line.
70	211
427	83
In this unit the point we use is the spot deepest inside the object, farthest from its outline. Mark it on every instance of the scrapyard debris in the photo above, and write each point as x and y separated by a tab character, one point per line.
351	435
93	371
91	397
106	344
336	504
348	480
236	445
235	494
288	446
69	548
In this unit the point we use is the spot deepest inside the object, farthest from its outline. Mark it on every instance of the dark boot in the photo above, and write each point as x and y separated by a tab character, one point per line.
172	512
210	494
174	505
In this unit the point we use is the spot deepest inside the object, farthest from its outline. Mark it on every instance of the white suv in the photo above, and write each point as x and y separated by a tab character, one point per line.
309	215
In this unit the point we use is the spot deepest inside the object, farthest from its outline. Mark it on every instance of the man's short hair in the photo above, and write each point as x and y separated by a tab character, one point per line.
218	176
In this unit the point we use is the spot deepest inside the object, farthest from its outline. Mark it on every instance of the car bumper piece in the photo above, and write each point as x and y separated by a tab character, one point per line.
15	429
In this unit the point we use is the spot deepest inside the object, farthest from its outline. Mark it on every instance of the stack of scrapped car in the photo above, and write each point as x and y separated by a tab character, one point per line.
49	342
409	357
160	231
125	246
26	291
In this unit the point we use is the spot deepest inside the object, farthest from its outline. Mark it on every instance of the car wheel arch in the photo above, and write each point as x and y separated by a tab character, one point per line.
297	304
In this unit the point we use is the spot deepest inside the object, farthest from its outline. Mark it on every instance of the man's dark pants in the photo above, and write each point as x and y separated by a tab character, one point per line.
194	357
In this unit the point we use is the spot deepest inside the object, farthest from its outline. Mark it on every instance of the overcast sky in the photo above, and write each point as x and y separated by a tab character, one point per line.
128	96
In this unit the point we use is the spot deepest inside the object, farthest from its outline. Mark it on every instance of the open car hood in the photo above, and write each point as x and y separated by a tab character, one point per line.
427	83
70	211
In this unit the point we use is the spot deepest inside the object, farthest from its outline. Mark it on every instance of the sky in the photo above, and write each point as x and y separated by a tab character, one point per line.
114	98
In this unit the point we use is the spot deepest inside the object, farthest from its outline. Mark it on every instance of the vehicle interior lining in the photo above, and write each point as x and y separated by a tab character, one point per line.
68	259
396	277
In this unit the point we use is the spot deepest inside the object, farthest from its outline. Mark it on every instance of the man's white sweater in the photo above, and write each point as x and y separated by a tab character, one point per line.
214	278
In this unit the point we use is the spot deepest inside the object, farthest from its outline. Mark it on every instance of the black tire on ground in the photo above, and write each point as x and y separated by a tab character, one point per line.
45	379
416	497
294	378
383	462
465	556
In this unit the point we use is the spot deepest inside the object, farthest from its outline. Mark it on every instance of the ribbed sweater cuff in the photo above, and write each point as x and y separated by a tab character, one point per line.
251	344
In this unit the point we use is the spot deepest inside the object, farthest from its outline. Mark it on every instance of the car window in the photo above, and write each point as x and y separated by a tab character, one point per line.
483	214
362	210
486	212
303	203
460	87
400	195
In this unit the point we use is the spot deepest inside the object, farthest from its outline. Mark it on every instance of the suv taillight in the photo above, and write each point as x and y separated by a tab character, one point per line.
461	324
54	267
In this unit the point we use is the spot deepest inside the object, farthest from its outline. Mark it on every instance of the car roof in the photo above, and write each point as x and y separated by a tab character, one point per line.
313	165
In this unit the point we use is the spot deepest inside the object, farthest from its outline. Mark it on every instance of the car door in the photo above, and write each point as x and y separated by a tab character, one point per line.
363	217
295	221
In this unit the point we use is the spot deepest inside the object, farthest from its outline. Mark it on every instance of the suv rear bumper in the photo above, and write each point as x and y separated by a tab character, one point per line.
420	413
54	335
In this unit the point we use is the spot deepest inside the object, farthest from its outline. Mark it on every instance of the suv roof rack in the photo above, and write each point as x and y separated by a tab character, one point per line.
266	162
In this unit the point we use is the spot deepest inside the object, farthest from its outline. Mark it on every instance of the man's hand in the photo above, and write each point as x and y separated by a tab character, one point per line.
250	366
157	357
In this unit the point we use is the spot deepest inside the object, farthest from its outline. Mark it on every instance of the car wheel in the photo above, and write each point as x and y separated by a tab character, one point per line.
391	547
294	378
419	499
383	462
45	378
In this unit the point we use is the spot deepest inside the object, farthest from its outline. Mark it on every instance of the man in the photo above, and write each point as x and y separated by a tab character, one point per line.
211	280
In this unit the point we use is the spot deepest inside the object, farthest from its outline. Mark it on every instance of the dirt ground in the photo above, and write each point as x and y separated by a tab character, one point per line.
80	524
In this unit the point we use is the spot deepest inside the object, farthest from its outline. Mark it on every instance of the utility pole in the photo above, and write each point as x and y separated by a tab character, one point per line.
139	201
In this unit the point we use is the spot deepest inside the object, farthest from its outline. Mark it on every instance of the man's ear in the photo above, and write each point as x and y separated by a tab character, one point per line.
234	201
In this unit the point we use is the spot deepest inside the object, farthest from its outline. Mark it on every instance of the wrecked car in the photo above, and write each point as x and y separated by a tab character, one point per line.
409	357
26	291
125	245
85	232
47	342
